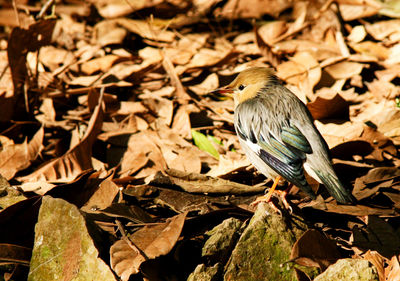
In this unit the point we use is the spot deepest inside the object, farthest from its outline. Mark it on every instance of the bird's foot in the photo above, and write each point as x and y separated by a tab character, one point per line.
267	198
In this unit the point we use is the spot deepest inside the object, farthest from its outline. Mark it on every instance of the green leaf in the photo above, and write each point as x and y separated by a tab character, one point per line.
202	142
214	139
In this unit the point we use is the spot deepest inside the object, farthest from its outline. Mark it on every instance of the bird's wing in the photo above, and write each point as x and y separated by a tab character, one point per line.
280	145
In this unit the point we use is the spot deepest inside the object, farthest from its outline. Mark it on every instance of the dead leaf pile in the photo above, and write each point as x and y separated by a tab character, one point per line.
107	105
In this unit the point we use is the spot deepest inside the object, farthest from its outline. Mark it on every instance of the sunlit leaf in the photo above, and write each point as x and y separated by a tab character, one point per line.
202	142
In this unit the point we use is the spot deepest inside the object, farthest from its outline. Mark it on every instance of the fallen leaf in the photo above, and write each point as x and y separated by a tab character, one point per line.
76	160
199	183
204	143
379	236
378	261
17	157
148	242
392	271
335	108
146	29
314	249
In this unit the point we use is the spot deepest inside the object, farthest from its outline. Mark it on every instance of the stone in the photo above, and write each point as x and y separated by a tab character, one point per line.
206	273
222	240
349	270
63	249
264	248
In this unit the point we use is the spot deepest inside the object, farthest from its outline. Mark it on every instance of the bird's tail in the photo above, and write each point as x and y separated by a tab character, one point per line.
335	188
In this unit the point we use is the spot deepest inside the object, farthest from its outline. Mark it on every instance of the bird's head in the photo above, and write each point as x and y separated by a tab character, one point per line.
247	84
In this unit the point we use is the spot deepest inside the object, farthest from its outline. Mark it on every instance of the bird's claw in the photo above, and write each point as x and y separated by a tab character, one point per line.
267	198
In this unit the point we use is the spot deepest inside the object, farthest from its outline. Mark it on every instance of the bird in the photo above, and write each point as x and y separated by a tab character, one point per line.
277	133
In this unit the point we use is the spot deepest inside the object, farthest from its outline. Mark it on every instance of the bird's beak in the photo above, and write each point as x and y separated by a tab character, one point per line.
228	91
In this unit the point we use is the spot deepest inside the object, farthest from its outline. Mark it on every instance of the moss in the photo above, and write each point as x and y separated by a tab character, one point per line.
263	249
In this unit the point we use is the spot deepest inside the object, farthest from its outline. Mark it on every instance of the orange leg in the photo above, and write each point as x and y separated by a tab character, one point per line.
267	197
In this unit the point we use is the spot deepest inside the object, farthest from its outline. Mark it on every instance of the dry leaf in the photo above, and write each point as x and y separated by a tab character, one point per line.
146	29
16	157
76	160
234	9
198	183
148	242
314	249
335	108
392	272
378	261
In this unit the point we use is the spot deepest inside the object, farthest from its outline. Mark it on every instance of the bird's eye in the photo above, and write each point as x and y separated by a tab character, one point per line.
241	87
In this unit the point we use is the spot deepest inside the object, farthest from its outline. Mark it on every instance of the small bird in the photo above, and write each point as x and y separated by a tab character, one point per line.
277	133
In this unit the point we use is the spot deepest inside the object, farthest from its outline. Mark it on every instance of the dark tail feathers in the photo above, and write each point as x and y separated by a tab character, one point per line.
336	189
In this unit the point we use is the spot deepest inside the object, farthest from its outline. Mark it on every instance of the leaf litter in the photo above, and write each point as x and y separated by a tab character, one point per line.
111	112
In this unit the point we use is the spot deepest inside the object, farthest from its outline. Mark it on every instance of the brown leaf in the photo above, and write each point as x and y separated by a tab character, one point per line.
234	9
162	107
378	261
15	254
198	183
19	220
23	41
131	212
77	159
314	249
147	29
358	9
392	271
265	49
345	69
357	210
175	81
181	123
148	242
322	108
142	150
16	157
108	32
102	64
118	8
379	235
102	197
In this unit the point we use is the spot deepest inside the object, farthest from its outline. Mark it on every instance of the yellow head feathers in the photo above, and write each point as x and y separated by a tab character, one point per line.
248	83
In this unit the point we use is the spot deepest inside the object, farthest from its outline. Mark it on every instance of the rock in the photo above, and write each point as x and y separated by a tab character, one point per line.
206	273
222	240
349	270
63	249
264	247
8	195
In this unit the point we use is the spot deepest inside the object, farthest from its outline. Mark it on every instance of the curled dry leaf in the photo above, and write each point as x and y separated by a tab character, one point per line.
378	260
357	210
77	159
392	272
10	253
148	242
314	249
16	157
198	183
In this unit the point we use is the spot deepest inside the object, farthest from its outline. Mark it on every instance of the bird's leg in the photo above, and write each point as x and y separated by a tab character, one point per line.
283	194
267	197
